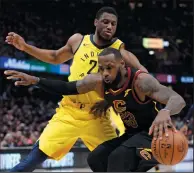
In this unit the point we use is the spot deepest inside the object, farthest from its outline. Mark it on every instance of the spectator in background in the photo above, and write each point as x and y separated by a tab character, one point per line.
187	127
173	24
8	141
23	119
24	116
178	123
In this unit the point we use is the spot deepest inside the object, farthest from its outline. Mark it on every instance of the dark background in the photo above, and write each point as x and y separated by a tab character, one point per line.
24	111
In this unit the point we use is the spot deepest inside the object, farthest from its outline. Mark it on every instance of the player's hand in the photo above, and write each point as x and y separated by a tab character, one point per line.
184	129
16	40
24	79
160	125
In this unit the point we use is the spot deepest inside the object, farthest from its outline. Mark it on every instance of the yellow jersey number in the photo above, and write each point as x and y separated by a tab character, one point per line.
93	63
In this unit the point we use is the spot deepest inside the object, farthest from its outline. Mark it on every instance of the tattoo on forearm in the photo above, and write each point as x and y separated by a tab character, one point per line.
175	104
163	94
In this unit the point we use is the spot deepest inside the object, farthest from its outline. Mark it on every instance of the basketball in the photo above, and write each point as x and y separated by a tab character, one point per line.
171	150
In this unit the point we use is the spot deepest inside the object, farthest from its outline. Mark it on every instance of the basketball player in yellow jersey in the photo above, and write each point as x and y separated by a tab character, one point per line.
72	119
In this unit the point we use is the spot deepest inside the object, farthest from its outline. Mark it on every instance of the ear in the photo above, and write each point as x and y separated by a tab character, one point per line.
122	63
95	22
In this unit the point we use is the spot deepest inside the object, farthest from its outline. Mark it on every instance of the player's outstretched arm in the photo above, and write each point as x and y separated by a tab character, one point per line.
148	85
92	82
50	56
131	60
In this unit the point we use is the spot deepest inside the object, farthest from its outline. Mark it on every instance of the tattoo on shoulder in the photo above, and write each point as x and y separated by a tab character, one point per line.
148	85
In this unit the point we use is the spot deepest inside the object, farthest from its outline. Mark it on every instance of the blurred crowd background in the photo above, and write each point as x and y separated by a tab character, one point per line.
25	111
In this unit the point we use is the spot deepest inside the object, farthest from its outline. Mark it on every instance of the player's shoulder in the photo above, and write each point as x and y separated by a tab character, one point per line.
141	75
116	40
116	43
77	37
144	78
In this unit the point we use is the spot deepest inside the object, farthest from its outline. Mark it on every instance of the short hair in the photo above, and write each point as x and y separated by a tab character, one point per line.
110	10
109	50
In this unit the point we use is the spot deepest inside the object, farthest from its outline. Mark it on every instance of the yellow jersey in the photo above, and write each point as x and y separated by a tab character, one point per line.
85	61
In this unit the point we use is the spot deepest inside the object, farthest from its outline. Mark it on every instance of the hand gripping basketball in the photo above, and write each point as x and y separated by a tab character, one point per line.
171	150
161	124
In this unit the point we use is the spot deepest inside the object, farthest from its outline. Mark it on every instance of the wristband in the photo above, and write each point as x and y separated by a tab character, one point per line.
38	80
165	110
186	122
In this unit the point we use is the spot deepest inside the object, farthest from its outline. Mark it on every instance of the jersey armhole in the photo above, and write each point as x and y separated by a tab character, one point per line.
79	45
122	44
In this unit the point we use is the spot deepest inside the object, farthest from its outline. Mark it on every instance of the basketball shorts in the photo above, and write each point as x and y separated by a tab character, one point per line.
127	153
141	142
70	123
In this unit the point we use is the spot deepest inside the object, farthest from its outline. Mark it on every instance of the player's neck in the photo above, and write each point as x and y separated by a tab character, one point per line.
99	41
124	76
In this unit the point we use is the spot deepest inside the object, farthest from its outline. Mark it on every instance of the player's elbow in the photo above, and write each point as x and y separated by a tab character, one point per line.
54	57
181	102
60	59
55	60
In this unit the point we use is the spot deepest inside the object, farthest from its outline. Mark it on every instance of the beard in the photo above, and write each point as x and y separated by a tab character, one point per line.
115	83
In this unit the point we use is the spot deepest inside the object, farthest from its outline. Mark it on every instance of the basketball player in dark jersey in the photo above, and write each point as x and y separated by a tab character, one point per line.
133	94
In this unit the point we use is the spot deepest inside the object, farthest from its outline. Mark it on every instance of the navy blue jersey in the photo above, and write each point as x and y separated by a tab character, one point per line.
136	115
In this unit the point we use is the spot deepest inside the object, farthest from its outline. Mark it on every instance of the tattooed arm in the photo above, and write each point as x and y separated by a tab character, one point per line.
89	83
147	85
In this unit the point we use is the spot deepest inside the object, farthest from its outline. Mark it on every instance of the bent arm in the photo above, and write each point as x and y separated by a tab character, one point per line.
148	85
91	82
55	56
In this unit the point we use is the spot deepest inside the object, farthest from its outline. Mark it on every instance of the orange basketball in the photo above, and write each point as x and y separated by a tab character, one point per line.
171	150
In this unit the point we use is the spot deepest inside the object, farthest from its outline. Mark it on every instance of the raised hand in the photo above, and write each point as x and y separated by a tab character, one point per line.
24	79
16	40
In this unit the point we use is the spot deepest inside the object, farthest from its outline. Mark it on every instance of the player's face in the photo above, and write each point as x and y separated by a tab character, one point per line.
109	68
106	26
